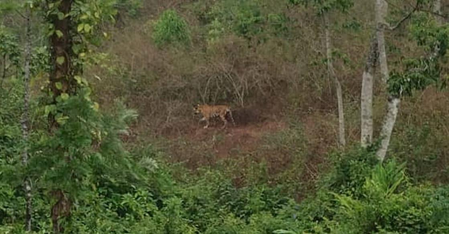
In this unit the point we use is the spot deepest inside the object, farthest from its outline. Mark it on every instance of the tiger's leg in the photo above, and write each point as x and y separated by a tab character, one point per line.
232	118
222	117
207	122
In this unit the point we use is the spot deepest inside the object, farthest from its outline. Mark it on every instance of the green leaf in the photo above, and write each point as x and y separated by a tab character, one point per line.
80	27
60	60
58	85
78	79
81	80
61	16
64	96
87	27
96	106
51	32
59	33
87	94
281	231
49	109
61	119
76	48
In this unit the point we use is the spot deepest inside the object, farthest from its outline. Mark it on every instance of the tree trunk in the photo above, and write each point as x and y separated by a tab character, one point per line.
437	11
381	14
393	101
437	15
366	104
330	68
4	71
3	74
26	120
61	77
4	67
61	81
387	127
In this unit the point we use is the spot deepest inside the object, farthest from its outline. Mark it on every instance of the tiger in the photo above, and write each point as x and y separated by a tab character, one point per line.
211	111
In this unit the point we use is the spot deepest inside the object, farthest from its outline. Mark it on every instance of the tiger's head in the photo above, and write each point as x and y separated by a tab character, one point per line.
196	108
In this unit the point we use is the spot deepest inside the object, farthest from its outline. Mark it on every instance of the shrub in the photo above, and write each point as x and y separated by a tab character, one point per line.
389	204
170	28
350	171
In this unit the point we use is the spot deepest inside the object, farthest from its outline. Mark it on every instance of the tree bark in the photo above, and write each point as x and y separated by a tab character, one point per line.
4	67
393	101
381	14
330	68
61	81
25	122
437	16
437	11
4	71
388	126
61	52
366	103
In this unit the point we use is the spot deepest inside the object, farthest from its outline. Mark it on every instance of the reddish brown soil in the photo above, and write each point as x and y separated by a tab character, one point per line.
243	138
204	147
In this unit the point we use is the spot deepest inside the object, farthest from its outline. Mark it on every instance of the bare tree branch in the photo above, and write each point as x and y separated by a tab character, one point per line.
406	17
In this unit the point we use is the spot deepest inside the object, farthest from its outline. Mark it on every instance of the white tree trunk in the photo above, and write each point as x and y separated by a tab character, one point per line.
437	11
381	14
366	104
387	127
437	16
25	121
393	101
330	68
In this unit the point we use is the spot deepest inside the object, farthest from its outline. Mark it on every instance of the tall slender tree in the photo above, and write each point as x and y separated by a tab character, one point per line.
437	11
418	73
75	125
324	9
25	121
61	83
393	100
333	76
366	102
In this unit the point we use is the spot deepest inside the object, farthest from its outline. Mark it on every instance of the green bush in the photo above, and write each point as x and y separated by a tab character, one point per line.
439	219
117	192
389	204
170	28
350	171
380	200
250	19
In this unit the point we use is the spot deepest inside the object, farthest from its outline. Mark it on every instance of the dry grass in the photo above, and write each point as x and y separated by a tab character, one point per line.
267	84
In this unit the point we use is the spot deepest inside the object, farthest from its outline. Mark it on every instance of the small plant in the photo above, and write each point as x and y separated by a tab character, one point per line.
170	28
9	52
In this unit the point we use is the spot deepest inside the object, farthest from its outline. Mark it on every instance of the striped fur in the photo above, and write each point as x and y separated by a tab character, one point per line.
211	111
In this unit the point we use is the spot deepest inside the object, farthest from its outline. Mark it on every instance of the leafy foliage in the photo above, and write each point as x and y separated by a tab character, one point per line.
170	28
132	7
9	51
114	190
390	205
386	202
419	73
253	20
323	6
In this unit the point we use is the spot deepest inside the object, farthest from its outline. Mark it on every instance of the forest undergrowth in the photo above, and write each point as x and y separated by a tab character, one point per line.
115	146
